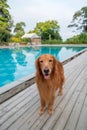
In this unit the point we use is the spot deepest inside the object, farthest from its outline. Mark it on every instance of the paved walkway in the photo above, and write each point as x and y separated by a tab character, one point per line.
70	110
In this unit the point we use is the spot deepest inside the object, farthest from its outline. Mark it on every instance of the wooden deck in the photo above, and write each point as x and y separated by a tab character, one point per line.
70	110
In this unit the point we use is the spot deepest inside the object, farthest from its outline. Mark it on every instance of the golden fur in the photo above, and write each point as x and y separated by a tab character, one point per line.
48	82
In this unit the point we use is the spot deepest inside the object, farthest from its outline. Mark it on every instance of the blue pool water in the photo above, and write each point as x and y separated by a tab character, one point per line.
19	62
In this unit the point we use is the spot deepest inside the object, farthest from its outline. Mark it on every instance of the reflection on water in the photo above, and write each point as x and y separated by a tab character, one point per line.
19	62
7	66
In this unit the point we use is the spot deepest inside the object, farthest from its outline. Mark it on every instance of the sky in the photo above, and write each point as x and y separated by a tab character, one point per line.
33	11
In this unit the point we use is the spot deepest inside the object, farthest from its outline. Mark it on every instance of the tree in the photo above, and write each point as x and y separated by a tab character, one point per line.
48	30
19	29
77	39
80	20
5	21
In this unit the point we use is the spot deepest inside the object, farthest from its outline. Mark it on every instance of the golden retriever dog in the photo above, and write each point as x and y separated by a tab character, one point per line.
49	77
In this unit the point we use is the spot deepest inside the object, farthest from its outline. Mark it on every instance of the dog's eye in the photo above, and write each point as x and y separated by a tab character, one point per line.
41	61
50	60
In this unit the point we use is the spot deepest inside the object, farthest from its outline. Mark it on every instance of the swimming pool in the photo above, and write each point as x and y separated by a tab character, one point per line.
16	63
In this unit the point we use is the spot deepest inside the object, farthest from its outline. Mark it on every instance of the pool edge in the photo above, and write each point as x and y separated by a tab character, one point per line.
23	83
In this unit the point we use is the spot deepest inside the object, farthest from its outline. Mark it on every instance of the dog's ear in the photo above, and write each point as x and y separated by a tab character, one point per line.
54	60
54	64
37	64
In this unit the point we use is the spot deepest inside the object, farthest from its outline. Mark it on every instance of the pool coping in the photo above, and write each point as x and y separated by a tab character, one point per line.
15	87
74	45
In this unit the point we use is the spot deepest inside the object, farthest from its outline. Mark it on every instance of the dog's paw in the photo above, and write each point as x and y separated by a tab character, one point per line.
50	111
60	93
41	111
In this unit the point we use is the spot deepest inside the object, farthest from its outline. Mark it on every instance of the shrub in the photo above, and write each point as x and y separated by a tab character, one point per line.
52	42
15	39
78	39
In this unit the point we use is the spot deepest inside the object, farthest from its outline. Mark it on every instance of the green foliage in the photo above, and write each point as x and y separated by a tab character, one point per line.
25	40
19	29
80	20
48	30
15	39
5	21
52	42
78	39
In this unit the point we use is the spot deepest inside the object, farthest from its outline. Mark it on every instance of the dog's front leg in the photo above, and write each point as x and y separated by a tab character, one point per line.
43	104
51	103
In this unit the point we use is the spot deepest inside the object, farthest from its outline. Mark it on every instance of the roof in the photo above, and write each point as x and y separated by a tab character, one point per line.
30	35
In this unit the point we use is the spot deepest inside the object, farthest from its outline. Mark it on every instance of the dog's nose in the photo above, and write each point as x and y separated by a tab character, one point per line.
46	71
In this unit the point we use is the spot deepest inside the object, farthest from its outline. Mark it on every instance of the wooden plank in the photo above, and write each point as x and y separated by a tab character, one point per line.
82	123
17	108
16	115
60	124
30	112
15	103
17	96
74	117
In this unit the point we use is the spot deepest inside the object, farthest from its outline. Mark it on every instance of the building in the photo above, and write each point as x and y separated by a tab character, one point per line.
34	38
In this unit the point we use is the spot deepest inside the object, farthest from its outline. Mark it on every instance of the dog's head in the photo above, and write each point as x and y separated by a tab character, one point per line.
45	65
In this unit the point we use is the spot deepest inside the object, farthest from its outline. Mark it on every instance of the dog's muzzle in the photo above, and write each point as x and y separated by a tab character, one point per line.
46	73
